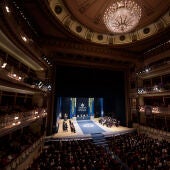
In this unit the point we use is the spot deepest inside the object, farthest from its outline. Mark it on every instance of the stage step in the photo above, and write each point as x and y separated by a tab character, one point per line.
99	139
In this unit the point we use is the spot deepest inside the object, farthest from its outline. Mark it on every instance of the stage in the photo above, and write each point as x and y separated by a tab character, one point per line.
87	128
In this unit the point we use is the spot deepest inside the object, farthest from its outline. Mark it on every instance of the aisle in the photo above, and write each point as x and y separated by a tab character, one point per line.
89	127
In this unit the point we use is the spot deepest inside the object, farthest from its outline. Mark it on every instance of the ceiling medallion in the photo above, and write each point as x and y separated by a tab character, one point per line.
122	16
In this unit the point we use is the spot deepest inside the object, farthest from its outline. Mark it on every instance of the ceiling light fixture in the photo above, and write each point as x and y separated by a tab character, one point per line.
122	16
7	9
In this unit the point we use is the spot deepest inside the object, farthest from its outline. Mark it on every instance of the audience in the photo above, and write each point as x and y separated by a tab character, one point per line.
75	155
129	151
141	152
11	148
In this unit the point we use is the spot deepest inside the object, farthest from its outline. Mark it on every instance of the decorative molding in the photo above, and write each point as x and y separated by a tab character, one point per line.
53	46
89	35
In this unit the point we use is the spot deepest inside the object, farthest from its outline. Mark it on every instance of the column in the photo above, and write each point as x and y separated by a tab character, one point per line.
51	112
58	108
72	107
101	106
91	108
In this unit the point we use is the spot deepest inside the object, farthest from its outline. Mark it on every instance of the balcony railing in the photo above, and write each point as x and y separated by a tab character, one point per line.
154	89
156	110
23	79
15	119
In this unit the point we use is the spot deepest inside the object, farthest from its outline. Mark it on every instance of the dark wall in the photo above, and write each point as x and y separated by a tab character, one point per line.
83	82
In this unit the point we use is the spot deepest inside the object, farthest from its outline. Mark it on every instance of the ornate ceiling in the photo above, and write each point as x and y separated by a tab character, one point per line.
73	33
90	12
85	20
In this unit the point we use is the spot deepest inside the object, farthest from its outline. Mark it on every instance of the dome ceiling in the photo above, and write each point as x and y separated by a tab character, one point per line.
84	18
90	12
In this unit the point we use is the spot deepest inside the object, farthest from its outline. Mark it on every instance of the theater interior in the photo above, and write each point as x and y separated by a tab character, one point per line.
67	67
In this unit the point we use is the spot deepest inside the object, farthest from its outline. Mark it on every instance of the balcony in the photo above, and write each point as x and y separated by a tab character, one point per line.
22	81
10	123
157	90
157	117
161	67
156	110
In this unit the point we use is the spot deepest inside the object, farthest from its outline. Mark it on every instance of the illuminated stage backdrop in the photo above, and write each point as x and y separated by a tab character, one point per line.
81	107
78	107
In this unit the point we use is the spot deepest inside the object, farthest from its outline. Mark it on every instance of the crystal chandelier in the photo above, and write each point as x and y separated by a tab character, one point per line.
122	16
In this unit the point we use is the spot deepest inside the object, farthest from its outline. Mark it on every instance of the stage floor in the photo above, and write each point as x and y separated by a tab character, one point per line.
82	132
